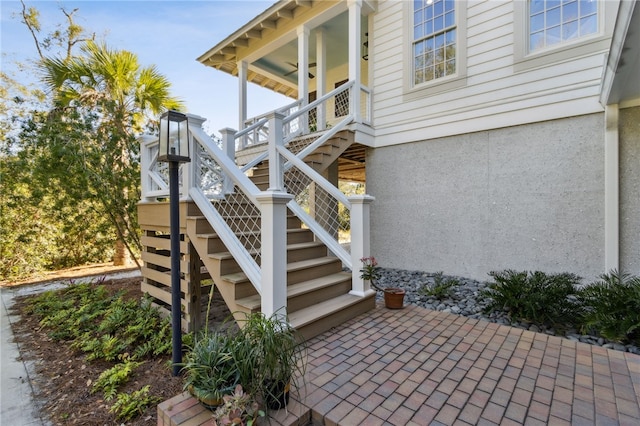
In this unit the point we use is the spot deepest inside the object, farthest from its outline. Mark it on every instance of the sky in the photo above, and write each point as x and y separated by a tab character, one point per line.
167	34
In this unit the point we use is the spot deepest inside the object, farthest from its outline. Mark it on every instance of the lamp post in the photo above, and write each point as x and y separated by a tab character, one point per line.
174	149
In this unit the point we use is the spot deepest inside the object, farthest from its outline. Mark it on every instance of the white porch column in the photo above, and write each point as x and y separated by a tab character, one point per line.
229	148
321	77
360	241
190	170
611	190
243	70
355	43
303	73
274	252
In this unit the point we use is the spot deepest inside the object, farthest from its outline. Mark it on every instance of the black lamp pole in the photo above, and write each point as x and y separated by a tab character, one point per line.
176	309
174	149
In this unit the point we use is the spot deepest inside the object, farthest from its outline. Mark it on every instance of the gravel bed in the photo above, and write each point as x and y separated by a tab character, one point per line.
464	299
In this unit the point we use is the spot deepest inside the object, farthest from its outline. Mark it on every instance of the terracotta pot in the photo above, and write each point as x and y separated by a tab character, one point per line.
394	298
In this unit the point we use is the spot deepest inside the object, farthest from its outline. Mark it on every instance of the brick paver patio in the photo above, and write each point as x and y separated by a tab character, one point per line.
419	367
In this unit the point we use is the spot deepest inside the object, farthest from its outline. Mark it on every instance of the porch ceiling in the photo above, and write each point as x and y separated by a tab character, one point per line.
277	69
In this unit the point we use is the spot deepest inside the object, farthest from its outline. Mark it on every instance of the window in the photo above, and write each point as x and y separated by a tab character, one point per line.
556	21
434	39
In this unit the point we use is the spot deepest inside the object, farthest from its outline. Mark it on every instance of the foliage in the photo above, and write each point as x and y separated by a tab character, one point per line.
277	354
69	172
102	325
106	327
612	307
370	271
129	405
111	379
43	226
535	296
238	408
210	367
441	288
265	350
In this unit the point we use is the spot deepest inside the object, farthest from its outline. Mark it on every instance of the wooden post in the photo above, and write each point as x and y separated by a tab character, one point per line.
273	205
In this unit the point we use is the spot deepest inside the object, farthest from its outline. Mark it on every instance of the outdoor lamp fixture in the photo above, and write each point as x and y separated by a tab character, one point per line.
174	149
174	137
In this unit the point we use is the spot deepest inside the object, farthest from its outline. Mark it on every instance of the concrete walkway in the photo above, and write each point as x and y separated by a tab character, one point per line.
16	395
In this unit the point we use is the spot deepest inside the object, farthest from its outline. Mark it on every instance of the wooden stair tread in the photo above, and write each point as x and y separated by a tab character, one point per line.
254	302
239	277
299	319
255	232
223	255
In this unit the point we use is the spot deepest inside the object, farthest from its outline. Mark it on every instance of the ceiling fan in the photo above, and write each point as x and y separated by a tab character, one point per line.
311	65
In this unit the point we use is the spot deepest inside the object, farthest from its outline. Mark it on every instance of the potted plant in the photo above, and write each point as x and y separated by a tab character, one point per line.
210	369
393	296
274	355
239	408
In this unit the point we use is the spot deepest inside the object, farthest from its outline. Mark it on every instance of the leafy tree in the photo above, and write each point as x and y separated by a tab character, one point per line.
112	98
69	172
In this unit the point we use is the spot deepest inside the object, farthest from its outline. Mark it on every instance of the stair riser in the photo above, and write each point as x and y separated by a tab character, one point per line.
314	297
242	224
337	318
229	266
245	288
300	275
215	245
306	253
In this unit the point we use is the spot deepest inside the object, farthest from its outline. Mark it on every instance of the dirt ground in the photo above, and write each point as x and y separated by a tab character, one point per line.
62	376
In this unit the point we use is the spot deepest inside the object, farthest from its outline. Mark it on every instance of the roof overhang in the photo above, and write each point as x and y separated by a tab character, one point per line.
271	32
621	77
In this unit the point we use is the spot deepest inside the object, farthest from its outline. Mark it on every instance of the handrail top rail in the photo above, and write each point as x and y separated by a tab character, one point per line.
318	101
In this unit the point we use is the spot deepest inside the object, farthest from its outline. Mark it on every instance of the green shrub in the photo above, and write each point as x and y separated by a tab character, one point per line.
130	405
612	307
111	379
440	288
535	297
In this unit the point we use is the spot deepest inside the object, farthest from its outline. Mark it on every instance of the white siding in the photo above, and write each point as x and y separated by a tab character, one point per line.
494	94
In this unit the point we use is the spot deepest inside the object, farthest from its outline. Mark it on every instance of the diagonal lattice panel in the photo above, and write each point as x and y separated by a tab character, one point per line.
244	218
327	211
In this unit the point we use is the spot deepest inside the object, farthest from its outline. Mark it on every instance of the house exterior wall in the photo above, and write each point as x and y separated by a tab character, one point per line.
498	84
630	190
522	197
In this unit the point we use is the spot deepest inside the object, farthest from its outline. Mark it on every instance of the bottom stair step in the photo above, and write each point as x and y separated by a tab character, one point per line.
323	316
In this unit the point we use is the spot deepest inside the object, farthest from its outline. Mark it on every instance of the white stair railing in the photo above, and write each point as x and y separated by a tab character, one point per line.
237	209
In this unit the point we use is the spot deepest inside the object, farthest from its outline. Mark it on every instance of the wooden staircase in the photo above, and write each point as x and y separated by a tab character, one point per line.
317	288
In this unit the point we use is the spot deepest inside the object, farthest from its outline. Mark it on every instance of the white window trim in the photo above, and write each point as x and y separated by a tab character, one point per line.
443	84
525	60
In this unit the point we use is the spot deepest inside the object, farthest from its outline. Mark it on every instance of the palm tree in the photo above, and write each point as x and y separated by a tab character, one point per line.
119	98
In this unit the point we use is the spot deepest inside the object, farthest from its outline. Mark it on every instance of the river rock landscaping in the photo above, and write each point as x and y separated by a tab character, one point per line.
463	297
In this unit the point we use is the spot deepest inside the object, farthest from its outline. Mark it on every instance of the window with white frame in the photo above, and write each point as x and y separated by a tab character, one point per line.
434	39
552	22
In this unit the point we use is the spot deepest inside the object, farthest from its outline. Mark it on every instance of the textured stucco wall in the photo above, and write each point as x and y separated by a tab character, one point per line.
630	190
523	197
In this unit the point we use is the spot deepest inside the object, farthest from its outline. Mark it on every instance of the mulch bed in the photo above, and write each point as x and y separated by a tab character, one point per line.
63	377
